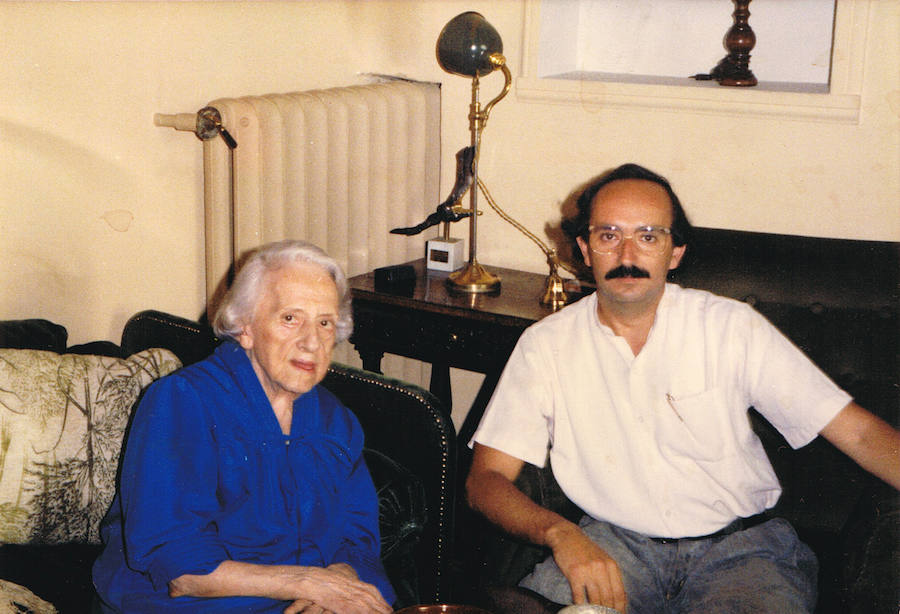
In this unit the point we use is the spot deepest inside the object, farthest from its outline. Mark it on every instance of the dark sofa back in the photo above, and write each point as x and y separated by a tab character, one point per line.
33	334
794	270
189	340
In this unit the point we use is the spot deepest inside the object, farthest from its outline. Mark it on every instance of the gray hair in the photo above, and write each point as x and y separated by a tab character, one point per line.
242	297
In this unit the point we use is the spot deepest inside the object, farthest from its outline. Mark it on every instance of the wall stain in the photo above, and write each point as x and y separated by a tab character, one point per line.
893	100
118	219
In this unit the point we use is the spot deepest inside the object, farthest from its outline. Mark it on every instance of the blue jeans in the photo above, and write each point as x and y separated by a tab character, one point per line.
762	569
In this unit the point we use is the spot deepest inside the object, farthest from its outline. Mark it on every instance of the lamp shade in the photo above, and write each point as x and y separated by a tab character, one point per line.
465	45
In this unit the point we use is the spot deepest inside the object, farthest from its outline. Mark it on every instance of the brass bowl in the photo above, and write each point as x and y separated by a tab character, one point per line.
442	608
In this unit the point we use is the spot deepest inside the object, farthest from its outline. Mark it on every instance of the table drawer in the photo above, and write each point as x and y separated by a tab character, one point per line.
476	346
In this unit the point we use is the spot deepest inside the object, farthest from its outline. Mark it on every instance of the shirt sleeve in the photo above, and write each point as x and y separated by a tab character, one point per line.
786	387
361	546
518	418
167	488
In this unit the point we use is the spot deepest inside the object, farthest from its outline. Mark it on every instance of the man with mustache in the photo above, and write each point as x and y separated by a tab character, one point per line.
640	392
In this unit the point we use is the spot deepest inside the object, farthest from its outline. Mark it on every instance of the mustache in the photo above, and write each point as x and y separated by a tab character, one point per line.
627	271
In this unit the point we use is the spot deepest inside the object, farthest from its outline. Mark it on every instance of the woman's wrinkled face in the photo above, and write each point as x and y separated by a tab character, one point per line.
291	334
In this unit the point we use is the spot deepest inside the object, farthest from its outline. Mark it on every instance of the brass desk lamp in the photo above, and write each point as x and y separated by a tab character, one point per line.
469	46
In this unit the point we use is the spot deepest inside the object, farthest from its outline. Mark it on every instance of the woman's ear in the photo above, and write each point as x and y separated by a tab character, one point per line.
245	338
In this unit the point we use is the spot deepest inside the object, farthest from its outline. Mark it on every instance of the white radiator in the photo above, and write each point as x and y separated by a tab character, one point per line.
337	167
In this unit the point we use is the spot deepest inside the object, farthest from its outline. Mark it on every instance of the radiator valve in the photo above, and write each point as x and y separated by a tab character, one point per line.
205	123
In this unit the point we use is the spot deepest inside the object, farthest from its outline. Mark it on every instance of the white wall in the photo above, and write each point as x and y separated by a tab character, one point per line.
101	211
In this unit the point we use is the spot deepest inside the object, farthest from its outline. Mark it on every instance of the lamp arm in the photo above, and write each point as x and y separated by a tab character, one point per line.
552	257
499	61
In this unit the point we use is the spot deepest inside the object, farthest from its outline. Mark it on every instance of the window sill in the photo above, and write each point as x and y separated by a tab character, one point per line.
809	102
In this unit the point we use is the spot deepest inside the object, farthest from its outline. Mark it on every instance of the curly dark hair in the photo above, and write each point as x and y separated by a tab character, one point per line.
577	226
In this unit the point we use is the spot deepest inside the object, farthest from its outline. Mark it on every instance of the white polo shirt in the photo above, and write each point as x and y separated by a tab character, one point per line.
659	443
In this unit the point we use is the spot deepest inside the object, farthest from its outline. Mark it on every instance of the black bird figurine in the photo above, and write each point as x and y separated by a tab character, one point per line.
446	212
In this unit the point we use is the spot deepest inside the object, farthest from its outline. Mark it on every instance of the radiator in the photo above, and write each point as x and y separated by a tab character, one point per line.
337	167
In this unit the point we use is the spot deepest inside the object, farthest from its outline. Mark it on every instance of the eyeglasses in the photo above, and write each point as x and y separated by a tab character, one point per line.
608	239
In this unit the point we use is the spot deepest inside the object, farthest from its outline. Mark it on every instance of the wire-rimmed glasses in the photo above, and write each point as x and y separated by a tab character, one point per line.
609	239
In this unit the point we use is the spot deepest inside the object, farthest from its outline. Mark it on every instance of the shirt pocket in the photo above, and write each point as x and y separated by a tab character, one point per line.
699	427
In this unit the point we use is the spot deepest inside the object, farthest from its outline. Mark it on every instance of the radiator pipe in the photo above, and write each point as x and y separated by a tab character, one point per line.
205	123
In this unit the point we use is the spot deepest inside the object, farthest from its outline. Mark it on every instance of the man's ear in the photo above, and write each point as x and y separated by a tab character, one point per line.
677	255
585	251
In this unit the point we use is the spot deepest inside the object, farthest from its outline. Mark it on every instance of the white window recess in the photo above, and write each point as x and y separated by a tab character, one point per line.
808	56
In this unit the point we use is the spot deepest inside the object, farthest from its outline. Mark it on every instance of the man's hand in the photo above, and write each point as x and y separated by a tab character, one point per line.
593	575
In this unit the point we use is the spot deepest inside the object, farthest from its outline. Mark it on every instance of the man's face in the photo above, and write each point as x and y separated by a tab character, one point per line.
629	275
291	334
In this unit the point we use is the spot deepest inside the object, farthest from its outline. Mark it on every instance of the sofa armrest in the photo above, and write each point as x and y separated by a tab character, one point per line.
871	541
493	562
401	522
189	340
409	425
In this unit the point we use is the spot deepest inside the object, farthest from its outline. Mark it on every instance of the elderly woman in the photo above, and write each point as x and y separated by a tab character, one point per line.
243	487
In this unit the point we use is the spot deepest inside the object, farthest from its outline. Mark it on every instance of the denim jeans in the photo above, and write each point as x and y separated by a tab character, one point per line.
762	569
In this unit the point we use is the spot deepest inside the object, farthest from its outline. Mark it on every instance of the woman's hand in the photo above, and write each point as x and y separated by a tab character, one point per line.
303	606
311	590
335	589
344	568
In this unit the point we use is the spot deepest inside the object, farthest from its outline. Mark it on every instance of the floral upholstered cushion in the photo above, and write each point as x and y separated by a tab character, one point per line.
15	599
62	421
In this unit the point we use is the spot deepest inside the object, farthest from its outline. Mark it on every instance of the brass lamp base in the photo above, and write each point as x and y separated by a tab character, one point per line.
474	278
554	291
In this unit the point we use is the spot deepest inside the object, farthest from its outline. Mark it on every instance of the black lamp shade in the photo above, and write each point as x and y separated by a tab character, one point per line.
465	45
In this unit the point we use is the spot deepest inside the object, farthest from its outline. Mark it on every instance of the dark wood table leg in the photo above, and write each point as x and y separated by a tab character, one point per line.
467	429
371	359
440	384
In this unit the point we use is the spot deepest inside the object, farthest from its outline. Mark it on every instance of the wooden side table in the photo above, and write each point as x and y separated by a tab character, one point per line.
427	321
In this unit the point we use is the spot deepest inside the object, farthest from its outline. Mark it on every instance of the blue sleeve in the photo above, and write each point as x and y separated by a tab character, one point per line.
168	483
361	543
361	547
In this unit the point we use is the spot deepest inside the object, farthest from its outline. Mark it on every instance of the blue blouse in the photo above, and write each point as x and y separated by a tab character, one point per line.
207	476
